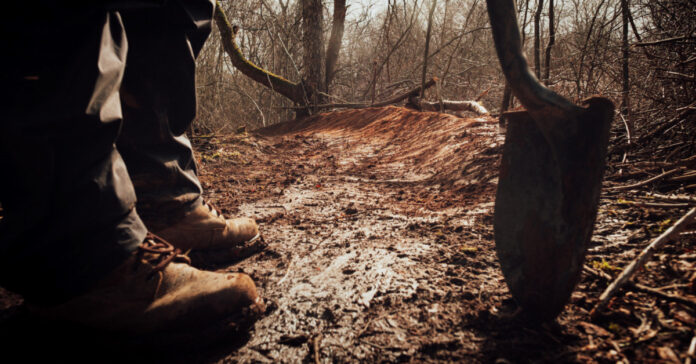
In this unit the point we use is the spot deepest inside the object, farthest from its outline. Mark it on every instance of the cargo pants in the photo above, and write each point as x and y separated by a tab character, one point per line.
95	101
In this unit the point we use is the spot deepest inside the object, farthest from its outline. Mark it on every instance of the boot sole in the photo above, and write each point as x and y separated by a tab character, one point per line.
242	251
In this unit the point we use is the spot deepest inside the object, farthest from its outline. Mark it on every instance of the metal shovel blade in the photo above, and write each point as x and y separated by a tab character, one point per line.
550	179
546	203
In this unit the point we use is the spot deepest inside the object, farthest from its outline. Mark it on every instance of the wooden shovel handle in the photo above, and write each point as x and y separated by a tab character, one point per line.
533	95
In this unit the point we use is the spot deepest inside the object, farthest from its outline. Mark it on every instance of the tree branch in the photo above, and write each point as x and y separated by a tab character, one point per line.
289	89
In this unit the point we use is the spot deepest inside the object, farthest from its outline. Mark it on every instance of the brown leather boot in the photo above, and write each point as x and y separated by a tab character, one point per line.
153	292
206	228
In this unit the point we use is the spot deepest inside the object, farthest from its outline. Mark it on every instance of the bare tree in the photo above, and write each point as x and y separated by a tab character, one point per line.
537	38
334	46
624	58
427	45
381	57
313	46
552	40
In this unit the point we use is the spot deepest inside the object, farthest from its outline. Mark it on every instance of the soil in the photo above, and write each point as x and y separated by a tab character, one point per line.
380	248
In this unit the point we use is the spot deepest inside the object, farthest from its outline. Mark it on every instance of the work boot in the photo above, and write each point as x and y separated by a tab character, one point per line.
156	290
206	228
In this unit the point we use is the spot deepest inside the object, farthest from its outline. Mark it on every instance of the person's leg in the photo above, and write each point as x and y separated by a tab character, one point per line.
67	199
159	104
72	242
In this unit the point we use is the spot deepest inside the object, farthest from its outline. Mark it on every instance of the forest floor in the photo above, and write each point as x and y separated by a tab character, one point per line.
381	248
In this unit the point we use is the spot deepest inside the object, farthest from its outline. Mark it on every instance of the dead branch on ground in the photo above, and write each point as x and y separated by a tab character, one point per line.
648	181
391	101
641	259
450	105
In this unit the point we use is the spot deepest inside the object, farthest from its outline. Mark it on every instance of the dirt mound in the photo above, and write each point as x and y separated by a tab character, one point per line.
441	150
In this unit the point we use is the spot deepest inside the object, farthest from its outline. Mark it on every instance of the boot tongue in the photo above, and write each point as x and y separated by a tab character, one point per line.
213	210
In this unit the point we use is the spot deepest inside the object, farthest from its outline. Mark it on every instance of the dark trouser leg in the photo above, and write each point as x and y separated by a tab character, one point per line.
67	197
159	103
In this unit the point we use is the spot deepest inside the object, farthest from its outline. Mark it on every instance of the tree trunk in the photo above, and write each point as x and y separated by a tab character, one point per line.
334	46
313	46
552	40
427	45
537	39
626	87
624	58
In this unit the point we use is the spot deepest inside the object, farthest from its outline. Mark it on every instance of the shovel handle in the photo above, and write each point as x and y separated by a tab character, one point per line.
506	35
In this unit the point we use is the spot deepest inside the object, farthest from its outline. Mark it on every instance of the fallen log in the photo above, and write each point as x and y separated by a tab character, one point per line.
358	105
449	105
413	100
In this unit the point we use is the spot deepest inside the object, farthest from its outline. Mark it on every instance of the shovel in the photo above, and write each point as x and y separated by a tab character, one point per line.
550	180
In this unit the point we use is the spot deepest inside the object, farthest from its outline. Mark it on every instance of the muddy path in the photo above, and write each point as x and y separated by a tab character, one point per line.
381	249
379	225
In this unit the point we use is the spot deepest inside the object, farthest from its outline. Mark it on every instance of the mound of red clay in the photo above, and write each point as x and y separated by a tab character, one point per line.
459	154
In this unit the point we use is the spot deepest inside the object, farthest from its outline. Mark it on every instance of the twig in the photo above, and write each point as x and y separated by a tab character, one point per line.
645	289
287	272
317	358
672	197
654	165
691	175
692	350
662	41
657	204
665	125
599	250
640	261
598	272
663	295
648	181
628	139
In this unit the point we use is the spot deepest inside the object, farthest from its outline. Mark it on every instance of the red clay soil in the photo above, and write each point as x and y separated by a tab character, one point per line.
379	224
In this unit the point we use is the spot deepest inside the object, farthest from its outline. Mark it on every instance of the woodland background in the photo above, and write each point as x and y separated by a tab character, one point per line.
397	205
639	53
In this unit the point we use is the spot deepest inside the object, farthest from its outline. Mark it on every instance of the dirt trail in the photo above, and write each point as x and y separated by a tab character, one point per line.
379	224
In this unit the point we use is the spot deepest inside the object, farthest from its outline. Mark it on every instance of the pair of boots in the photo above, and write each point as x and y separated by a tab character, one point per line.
157	290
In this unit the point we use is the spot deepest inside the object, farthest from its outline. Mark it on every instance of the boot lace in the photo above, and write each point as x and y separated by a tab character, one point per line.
159	253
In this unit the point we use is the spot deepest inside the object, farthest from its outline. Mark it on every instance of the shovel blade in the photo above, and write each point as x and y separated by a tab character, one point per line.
546	203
